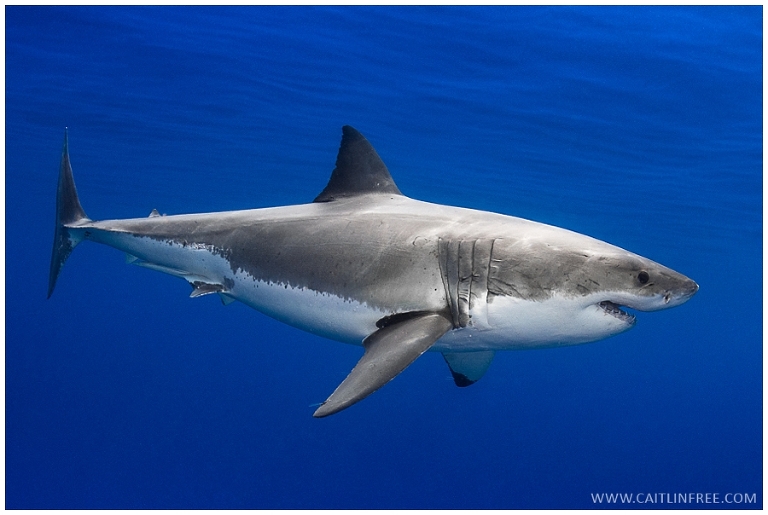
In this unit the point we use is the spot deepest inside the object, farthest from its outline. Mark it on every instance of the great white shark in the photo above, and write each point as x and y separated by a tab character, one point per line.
366	265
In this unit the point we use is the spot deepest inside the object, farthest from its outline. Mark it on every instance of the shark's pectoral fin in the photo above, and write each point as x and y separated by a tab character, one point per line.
388	352
468	367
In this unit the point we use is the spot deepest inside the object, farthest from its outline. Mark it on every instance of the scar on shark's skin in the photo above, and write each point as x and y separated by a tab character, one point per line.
366	265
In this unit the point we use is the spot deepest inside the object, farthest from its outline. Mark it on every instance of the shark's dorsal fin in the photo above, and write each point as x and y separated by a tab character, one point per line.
359	170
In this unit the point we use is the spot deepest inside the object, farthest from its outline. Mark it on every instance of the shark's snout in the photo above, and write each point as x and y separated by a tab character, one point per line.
676	291
682	294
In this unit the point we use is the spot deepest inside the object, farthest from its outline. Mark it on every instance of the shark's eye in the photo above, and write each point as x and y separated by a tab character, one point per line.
643	277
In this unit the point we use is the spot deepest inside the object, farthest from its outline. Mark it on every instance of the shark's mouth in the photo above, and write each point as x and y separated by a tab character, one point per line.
615	310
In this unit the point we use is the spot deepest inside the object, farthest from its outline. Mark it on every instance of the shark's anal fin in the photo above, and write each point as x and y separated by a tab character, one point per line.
468	367
359	170
388	352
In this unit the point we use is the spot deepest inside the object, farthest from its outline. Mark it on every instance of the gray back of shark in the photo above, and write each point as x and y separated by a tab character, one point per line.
364	264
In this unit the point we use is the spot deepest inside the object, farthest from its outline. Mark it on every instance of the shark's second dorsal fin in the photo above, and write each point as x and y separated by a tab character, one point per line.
359	170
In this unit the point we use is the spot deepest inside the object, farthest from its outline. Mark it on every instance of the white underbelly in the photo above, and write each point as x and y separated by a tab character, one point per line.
319	313
514	323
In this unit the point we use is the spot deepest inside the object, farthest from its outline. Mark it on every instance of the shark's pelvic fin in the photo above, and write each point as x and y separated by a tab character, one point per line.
200	288
388	352
68	212
468	367
225	298
200	285
359	170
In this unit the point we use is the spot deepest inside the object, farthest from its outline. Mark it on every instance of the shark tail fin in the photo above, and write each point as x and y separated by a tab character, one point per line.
68	212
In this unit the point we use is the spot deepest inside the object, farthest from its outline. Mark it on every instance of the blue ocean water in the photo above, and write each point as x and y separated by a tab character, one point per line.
641	126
